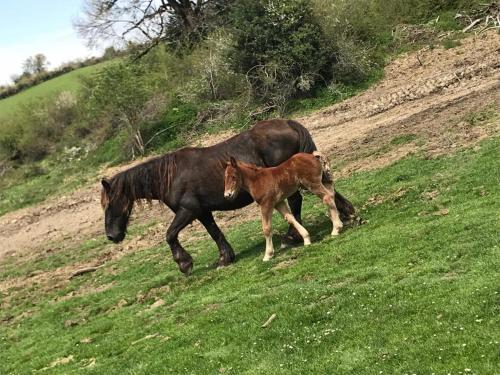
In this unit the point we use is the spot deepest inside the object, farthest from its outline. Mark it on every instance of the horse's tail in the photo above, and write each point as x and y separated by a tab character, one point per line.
306	143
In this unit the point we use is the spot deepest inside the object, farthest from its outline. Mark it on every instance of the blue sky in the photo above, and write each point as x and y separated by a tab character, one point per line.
28	27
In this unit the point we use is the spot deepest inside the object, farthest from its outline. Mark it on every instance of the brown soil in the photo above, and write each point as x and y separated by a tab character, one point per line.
426	96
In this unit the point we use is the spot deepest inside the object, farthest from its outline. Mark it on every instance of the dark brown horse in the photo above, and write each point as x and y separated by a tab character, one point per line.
190	182
270	187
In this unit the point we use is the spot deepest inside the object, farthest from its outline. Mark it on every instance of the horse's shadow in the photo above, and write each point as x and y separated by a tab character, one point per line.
319	227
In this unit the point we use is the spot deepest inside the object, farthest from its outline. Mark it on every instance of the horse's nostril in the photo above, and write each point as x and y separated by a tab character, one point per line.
111	238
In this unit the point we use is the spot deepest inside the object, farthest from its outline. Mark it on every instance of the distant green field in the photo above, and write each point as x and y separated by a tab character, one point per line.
67	82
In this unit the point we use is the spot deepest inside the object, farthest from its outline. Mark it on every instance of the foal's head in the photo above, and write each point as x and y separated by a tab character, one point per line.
117	208
232	179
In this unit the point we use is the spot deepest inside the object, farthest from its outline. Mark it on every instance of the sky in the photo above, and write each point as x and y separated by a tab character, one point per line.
28	27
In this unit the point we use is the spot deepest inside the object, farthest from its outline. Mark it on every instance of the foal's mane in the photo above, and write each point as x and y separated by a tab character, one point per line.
149	180
249	166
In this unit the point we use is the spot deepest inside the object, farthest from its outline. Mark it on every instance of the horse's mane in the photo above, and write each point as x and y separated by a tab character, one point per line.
149	180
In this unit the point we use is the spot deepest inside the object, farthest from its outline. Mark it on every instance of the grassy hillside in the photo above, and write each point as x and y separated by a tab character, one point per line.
413	291
67	82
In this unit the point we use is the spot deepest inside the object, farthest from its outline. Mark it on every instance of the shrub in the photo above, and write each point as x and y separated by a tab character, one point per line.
117	97
279	46
213	76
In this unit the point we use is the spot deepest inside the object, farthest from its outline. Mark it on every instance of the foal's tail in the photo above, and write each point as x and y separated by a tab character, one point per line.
346	209
325	167
306	143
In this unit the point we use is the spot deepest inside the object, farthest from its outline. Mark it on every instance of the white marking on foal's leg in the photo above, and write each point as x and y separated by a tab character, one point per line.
334	214
328	199
284	210
267	228
269	248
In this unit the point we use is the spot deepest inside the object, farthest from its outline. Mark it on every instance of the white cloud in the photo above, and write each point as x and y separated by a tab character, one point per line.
58	47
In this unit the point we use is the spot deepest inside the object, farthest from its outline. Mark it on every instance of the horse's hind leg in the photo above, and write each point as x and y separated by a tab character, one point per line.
225	249
328	198
267	227
182	218
284	210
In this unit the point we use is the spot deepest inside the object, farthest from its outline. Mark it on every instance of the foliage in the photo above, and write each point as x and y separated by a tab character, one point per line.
35	64
279	46
213	76
147	23
413	291
120	93
37	128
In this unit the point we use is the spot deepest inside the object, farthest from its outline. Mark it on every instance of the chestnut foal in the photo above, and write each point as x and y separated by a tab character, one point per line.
269	187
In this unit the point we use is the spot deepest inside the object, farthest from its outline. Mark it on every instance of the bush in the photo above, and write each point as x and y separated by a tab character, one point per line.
213	76
118	97
280	47
178	118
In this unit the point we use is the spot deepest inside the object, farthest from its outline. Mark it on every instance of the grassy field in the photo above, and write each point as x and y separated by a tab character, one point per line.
413	291
67	82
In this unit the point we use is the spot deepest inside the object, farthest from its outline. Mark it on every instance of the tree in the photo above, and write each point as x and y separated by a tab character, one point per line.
147	22
35	64
120	93
279	46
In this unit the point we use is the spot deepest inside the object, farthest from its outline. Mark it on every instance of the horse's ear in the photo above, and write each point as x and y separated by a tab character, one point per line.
233	162
106	185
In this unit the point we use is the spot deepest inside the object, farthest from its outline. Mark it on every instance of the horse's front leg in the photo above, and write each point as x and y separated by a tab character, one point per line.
226	251
284	210
182	218
267	227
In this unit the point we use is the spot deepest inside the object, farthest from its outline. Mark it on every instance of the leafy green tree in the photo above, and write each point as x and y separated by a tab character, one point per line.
120	93
279	46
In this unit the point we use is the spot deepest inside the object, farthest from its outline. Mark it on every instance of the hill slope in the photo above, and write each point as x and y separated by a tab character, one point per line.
413	291
66	82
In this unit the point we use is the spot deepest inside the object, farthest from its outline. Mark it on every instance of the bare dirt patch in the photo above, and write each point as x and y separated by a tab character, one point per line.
425	96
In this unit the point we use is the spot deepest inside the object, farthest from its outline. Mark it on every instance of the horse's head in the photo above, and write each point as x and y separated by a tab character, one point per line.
232	179
117	208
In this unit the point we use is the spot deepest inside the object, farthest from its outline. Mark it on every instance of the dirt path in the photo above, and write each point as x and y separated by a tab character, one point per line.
425	95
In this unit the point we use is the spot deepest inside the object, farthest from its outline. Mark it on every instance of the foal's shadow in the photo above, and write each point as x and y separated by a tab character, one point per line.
319	227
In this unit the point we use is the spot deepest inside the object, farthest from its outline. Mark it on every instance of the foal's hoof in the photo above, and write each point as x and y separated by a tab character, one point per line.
307	241
335	232
267	258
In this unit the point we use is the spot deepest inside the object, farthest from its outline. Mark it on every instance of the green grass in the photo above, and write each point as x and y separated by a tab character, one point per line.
413	291
53	176
66	82
327	96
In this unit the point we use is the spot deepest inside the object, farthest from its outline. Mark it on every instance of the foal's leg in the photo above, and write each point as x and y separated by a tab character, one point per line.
267	227
328	198
283	209
182	218
226	251
292	236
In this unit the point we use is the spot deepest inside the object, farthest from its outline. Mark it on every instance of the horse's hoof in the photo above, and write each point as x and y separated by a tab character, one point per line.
186	267
289	240
267	258
335	232
224	262
307	242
